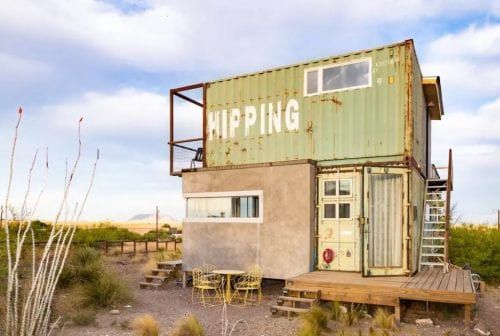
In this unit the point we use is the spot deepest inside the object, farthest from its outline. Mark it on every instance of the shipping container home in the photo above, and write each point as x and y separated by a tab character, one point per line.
323	165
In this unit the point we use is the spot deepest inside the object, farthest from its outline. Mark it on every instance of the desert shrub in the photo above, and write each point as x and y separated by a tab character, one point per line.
478	246
162	234
104	231
146	325
107	291
188	326
312	322
84	317
84	266
384	319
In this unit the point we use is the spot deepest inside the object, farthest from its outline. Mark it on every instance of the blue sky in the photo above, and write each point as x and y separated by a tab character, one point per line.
113	62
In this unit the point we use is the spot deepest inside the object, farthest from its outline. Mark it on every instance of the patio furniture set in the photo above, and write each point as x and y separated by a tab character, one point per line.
217	286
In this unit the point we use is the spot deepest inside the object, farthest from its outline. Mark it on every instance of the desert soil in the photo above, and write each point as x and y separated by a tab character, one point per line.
173	302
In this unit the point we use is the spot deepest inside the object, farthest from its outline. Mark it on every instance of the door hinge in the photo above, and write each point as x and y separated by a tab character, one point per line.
362	220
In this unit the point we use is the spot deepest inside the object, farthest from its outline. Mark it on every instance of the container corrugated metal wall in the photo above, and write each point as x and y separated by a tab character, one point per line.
366	124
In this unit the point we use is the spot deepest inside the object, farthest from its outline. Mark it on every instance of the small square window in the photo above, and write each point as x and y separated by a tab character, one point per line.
344	210
330	188
330	211
345	187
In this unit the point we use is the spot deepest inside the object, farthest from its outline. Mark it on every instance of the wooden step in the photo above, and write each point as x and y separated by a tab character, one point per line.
161	270
171	263
156	277
296	299
275	309
302	292
145	284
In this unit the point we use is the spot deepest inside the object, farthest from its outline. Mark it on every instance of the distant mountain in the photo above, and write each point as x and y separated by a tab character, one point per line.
151	218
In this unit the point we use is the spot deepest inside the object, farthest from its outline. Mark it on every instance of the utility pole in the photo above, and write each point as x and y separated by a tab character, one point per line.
157	217
498	219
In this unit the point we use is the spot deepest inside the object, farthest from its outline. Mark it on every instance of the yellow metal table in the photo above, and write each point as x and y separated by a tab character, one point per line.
228	273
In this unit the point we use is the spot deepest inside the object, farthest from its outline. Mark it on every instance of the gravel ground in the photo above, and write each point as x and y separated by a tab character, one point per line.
172	303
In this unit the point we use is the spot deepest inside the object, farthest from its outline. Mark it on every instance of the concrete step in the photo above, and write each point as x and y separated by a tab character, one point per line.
145	284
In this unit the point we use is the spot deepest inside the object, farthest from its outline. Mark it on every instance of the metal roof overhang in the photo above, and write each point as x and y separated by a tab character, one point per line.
433	97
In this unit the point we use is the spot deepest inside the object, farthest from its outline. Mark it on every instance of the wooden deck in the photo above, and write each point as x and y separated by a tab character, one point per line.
429	285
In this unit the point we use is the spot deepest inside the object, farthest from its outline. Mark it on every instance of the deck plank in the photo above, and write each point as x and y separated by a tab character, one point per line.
467	282
453	280
428	282
437	280
444	283
460	282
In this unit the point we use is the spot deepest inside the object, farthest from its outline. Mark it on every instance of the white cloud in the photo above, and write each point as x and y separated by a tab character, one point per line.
468	61
463	127
127	110
17	69
219	35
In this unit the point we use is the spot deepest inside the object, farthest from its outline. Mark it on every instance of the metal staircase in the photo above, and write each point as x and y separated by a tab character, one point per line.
434	242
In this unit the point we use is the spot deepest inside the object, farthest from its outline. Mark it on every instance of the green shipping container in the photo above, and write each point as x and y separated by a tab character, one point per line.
347	109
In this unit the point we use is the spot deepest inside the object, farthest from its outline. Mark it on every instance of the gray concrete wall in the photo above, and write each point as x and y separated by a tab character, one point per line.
283	242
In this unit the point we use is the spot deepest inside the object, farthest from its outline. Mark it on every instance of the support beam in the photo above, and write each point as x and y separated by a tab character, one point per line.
467	315
397	311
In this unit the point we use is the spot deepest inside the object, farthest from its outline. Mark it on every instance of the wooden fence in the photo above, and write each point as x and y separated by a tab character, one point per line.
124	246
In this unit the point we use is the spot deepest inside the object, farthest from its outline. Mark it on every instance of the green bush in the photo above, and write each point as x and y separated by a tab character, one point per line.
104	231
107	291
478	246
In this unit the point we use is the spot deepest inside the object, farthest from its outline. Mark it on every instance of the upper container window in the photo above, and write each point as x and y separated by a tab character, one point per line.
338	77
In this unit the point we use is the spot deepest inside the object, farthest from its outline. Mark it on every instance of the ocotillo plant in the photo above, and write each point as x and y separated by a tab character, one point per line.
30	314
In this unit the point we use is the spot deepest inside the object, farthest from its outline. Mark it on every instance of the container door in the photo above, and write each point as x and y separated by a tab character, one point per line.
339	247
385	208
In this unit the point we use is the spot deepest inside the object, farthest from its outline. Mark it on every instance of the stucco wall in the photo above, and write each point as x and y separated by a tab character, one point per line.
282	243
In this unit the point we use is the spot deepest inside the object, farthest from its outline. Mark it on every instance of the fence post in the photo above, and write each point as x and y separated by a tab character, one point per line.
134	247
121	243
106	247
146	246
175	245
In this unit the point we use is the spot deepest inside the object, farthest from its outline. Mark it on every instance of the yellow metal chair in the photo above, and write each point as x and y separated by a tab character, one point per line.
205	282
249	282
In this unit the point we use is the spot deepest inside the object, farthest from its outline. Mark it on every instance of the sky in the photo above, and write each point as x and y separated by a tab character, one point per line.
113	63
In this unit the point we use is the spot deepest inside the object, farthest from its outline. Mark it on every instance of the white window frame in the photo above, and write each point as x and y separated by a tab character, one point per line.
329	66
240	193
337	211
337	190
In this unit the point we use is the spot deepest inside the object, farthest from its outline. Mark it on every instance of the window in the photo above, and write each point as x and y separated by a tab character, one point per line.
244	206
338	77
330	211
337	193
343	186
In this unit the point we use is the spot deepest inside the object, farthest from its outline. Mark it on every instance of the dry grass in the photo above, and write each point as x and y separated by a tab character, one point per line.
336	311
384	319
146	325
313	322
188	326
352	315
